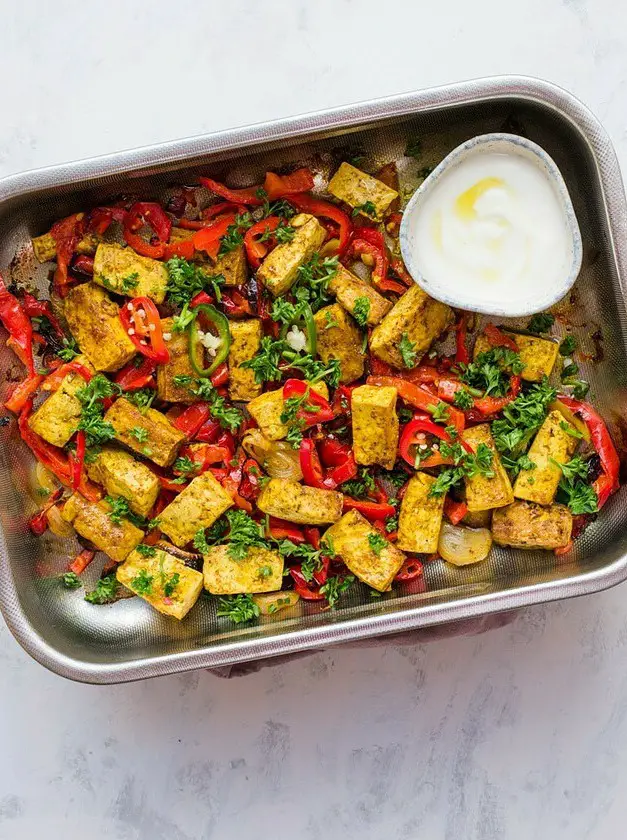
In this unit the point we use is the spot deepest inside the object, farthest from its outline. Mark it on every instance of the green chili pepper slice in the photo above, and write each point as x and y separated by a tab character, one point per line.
304	319
221	324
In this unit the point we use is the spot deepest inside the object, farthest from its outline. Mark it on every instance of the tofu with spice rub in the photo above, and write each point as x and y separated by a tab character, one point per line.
339	337
538	355
267	409
528	525
57	417
121	475
245	342
45	246
353	294
232	266
485	492
147	432
161	579
552	445
261	570
195	508
297	503
418	317
420	516
124	272
178	365
369	196
94	321
279	270
375	425
351	539
92	521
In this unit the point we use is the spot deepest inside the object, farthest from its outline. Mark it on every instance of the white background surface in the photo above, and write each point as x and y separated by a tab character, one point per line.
519	733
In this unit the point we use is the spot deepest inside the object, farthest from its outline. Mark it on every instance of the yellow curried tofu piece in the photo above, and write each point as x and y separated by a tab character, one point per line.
375	425
279	270
538	355
528	525
56	419
551	443
45	246
339	337
267	408
420	517
196	507
162	580
348	289
124	272
94	321
356	188
92	521
261	570
349	539
483	493
160	440
304	505
245	342
121	475
416	315
179	365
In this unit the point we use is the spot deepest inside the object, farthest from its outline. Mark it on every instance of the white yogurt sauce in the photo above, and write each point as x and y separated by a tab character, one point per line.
493	226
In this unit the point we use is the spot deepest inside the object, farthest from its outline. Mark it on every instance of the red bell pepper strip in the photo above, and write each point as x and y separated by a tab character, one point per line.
498	338
83	264
192	419
77	459
315	476
38	523
41	309
279	529
317	207
419	397
491	405
53	381
256	250
141	320
66	233
462	356
235	304
81	561
201	299
100	218
455	511
250	487
220	376
398	267
183	248
148	213
23	392
306	589
608	482
281	186
207	455
448	387
415	433
171	485
312	535
209	431
131	377
209	237
411	569
221	208
18	325
248	195
314	408
333	453
371	510
342	400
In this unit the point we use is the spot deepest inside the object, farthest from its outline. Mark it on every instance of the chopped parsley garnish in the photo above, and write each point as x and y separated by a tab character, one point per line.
574	489
142	398
71	580
282	233
170	584
440	413
139	433
228	416
200	541
568	371
97	431
269	363
312	282
185	466
361	310
119	509
570	430
69	351
463	399
146	550
142	583
264	571
239	608
334	587
309	557
105	591
522	418
234	236
377	543
391	524
488	372
281	208
516	465
367	208
186	280
541	323
468	465
408	352
129	283
244	533
568	346
360	487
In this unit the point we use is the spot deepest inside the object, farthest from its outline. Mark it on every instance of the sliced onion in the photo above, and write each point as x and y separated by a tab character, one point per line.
278	458
270	603
257	445
57	523
462	546
478	519
41	484
330	248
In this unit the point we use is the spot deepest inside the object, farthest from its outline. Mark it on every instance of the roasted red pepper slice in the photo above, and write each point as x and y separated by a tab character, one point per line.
312	535
498	338
81	561
192	419
18	325
100	218
83	264
255	249
371	510
313	474
307	590
279	529
314	409
342	400
462	356
491	405
398	267
235	304
248	195
41	309
209	431
23	392
141	320
220	376
250	487
67	233
53	381
148	213
317	207
281	186
411	569
414	434
183	248
131	377
333	453
209	237
417	396
455	511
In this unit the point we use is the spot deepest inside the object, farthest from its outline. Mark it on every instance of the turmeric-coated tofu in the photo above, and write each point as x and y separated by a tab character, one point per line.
415	315
297	503
279	270
483	492
552	443
45	246
364	193
161	579
375	425
355	294
94	321
245	342
57	417
146	431
266	410
121	475
124	272
261	570
528	525
196	507
420	516
538	355
339	337
349	539
178	365
92	521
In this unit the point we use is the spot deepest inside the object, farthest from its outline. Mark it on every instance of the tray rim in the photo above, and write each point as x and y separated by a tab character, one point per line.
484	89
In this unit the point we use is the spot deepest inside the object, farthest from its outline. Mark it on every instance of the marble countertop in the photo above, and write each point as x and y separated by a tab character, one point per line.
517	733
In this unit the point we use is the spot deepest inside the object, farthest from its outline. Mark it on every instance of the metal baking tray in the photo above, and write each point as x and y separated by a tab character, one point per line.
128	640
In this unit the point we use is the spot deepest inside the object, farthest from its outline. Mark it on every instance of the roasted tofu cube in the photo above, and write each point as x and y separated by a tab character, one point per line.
196	507
245	342
375	425
161	579
483	493
416	315
124	272
147	432
421	516
92	521
56	419
363	192
349	540
267	408
297	503
538	355
339	337
528	525
261	570
45	246
94	321
280	268
353	292
179	365
121	475
551	446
